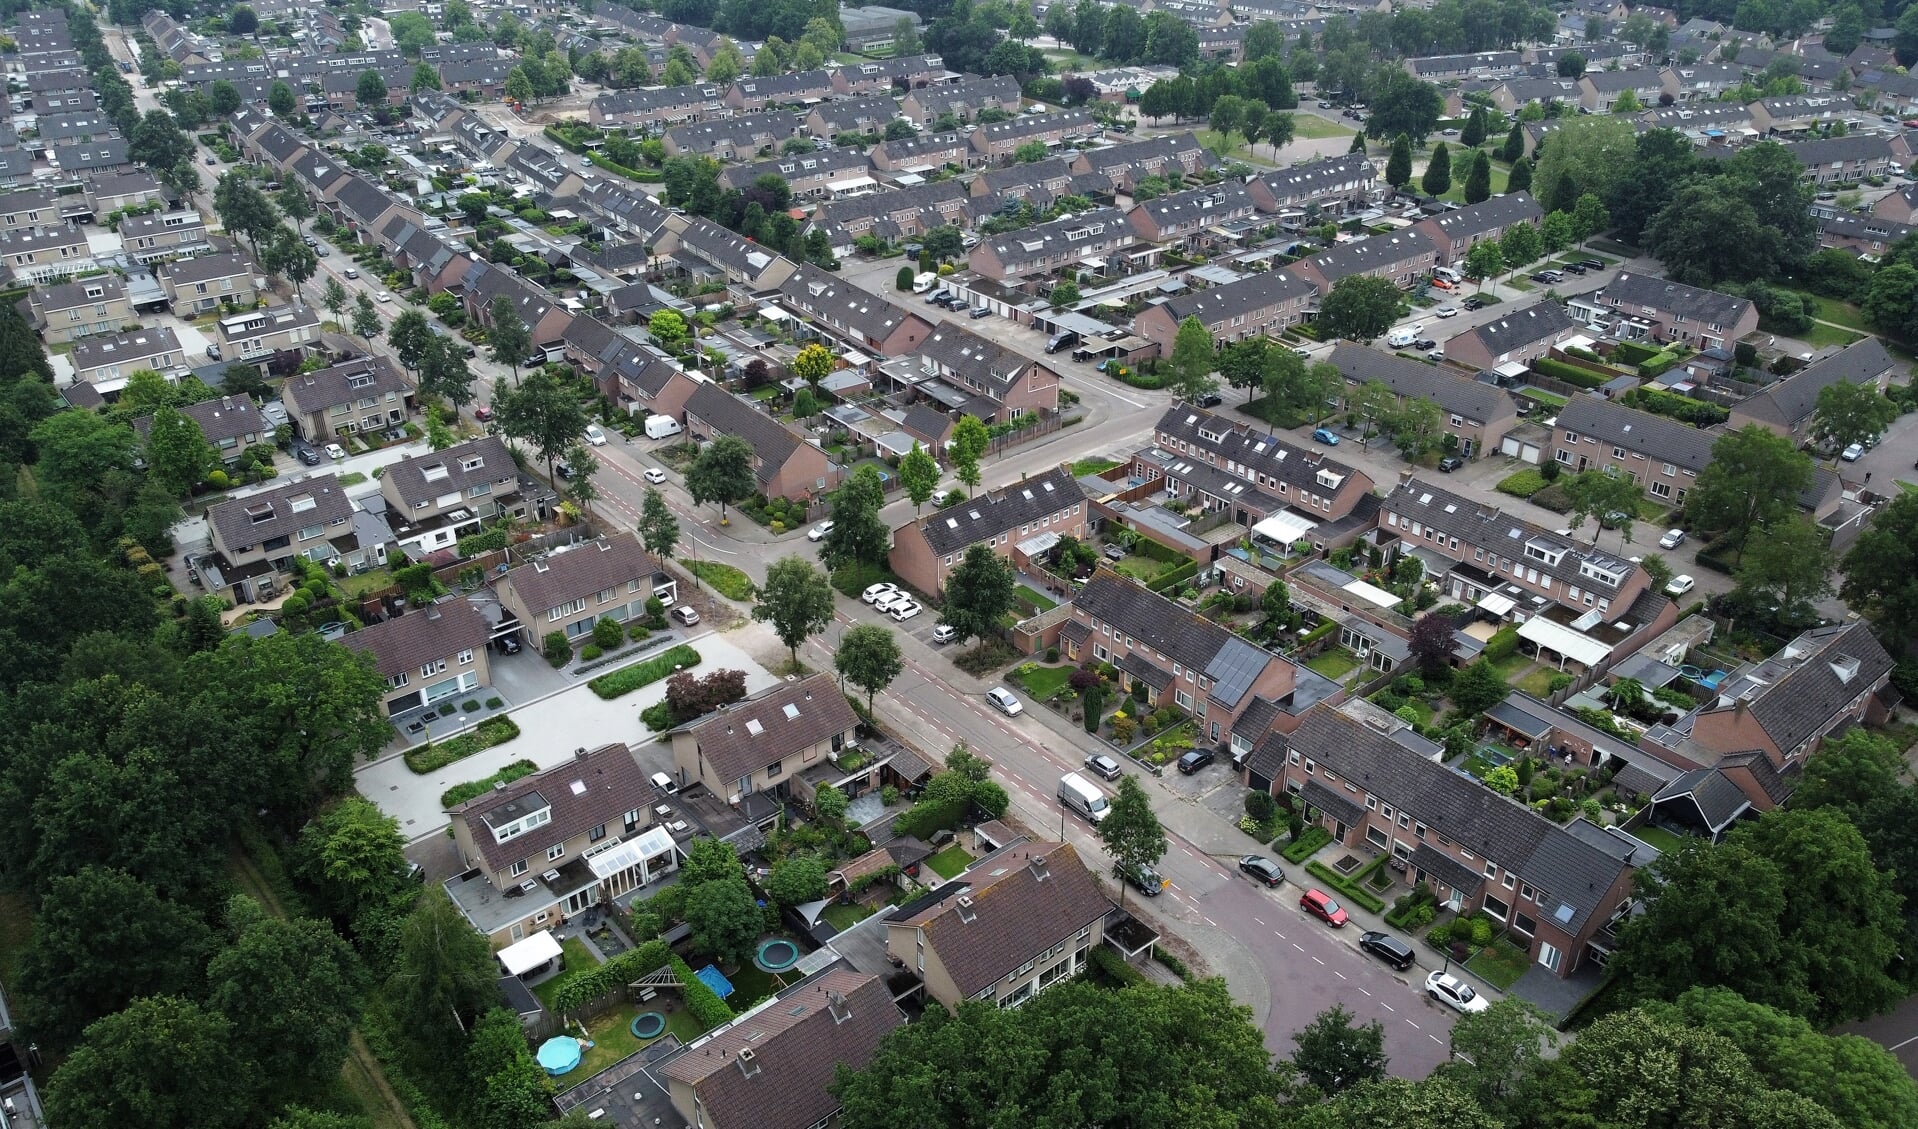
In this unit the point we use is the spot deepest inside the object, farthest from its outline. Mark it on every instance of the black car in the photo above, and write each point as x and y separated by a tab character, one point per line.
1194	760
507	644
1544	277
306	454
1575	268
563	468
1425	344
1389	949
1211	400
1450	463
1474	303
1263	869
1591	264
1141	878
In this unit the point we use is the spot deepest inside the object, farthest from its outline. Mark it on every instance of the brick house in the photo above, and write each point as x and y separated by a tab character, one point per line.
756	93
72	310
1020	522
821	173
1478	414
263	533
1403	257
1257	305
159	236
1013	383
1220	464
868	76
828	120
1523	335
928	152
230	424
666	105
1845	160
1787	406
258	335
1644	305
963	99
1598	91
786	463
106	362
203	284
1041	183
1182	217
1044	249
427	655
40	255
1454	233
895	214
734	139
998	141
568	591
856	316
1127	163
756	747
1335	185
433	499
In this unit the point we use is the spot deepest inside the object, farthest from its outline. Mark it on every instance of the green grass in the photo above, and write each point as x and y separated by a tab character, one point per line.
1038	600
1500	964
1511	666
751	986
460	793
434	755
1538	683
1659	837
1094	465
372	580
1500	177
1335	663
627	679
1832	310
1821	335
1311	127
613	1039
578	959
951	862
844	917
724	578
1522	285
1907	487
1046	681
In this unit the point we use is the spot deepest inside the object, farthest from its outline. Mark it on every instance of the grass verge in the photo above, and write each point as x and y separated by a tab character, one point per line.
460	793
724	578
1094	465
430	756
630	678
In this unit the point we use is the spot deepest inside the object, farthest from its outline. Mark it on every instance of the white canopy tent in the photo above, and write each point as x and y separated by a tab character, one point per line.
1284	528
522	957
1496	604
1569	644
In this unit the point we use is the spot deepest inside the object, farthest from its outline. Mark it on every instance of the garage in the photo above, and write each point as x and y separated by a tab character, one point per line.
1519	449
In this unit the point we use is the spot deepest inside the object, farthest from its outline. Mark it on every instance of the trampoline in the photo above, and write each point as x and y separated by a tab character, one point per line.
648	1025
776	955
560	1054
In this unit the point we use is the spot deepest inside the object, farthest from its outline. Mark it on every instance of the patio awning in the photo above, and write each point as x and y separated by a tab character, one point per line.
1374	594
1497	604
1579	648
1285	528
773	313
522	957
655	842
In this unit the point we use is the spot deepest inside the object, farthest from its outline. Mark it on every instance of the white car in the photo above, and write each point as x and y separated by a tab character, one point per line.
891	600
686	614
335	451
903	610
818	532
1853	453
383	296
655	475
595	436
1002	698
349	272
1446	312
944	633
879	592
1673	539
1454	993
1680	585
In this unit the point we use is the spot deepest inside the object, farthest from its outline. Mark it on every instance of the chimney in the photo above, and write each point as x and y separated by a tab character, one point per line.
836	1004
499	786
580	753
748	1062
1040	871
966	913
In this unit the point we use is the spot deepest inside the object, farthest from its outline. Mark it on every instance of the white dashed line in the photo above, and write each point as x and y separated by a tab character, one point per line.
1317	961
1261	924
1361	989
1210	922
1415	1026
1338	974
1435	1038
1383	1004
1298	946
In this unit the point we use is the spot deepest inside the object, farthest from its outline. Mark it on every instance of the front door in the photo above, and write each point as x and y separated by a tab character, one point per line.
1550	957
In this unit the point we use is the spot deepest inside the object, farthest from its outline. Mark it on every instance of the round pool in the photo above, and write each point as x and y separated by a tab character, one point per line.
776	955
559	1054
648	1025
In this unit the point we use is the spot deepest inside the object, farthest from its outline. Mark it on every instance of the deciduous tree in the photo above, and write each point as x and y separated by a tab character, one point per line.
918	475
178	455
868	657
968	445
723	473
1881	568
658	528
545	415
164	1063
1130	830
797	600
978	593
813	364
445	978
507	334
292	991
1193	360
858	536
1754	478
1334	1054
1360	307
352	855
1790	564
1848	413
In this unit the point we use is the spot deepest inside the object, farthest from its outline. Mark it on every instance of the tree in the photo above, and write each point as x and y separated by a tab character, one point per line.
1521	245
1791	564
1477	688
858	534
425	78
1398	166
796	880
178	455
1881	568
1598	494
1589	217
1131	832
868	657
288	255
1499	1054
158	141
978	593
408	336
510	338
669	329
1193	360
1849	413
1437	180
1556	233
164	1062
102	938
444	978
797	600
919	475
968	444
689	696
1520	178
353	855
1571	65
243	209
1334	1055
279	99
334	298
543	413
292	990
1210	1063
1228	115
723	473
724	917
1754	478
366	317
1360	307
658	528
224	97
1514	148
1431	643
1402	104
370	91
1417	427
1064	293
1587	154
1483	261
1788	909
1478	182
813	364
444	374
1275	602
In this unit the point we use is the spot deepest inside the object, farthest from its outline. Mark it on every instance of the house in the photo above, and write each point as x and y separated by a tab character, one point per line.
868	76
106	362
1477	414
1800	113
754	748
1454	233
75	161
30	208
797	88
1514	94
1183	217
1862	235
545	318
434	499
1700	82
786	462
928	152
113	192
72	310
1014	384
1900	206
159	236
1221	465
262	534
773	1068
1557	891
205	283
485	78
859	116
663	105
366	394
858	317
998	141
427	655
705	248
1403	257
643	381
1041	184
1433	68
434	263
1249	307
1787	406
824	173
230	423
734	139
554	844
1660	454
895	214
1090	239
1127	163
1021	920
963	99
1522	335
258	335
566	591
1641	305
1021	522
1333	185
38	255
1845	160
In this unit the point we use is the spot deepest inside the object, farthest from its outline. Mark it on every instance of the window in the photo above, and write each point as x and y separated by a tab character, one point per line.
1184	699
596	834
428	670
517	868
464	657
555	852
775	768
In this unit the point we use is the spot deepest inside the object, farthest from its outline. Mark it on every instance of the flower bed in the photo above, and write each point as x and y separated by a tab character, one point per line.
628	679
460	793
1306	845
1353	888
431	756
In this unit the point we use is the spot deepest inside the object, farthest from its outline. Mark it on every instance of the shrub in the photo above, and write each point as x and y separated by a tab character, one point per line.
1569	373
888	795
1549	470
1171	962
657	717
627	679
702	1001
590	652
1260	805
494	703
460	793
1481	932
493	731
1052	654
1441	935
607	633
558	650
1111	965
1522	484
469	705
1503	643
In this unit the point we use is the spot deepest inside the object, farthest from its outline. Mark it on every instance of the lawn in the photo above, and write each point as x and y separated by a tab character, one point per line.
1094	465
844	917
1511	666
1038	600
1484	759
1500	177
1500	964
578	959
951	862
1832	310
1659	837
1138	567
1522	285
751	986
1335	663
613	1039
725	579
1311	127
1907	487
1821	335
372	580
1538	683
1046	681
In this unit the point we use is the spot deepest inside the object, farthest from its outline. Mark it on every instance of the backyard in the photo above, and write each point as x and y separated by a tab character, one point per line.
1334	662
578	958
1501	176
613	1038
843	917
1658	837
951	862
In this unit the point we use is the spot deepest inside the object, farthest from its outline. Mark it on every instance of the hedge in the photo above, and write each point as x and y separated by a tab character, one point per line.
1631	352
924	818
493	731
1114	966
628	679
1570	374
585	985
1173	577
1307	844
1503	643
1698	413
460	793
1659	364
1350	887
701	1000
491	541
1319	632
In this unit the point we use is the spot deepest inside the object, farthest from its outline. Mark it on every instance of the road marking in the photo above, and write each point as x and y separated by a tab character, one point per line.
1210	922
1337	973
1383	1004
1435	1038
1415	1026
1298	946
1361	988
1317	961
1907	1042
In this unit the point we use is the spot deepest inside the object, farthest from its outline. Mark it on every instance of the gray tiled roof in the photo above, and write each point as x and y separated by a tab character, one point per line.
967	95
792	86
1136	154
848	115
1799	694
1004	510
986	364
204	268
837	302
345	383
1375	253
422	636
820	163
1793	398
584	792
1208	204
908	147
1536	322
280	512
582	571
1503	534
1259	451
1444	868
1468	398
772	725
1633	292
745	129
1315	177
1185	638
1655	437
772	442
1253	292
1717	799
1339	807
1832	150
421	478
1033	125
1014	916
1495	214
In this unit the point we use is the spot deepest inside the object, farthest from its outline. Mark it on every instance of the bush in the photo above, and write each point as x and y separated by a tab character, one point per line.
1112	966
1522	483
1503	643
1306	844
1171	962
1569	373
702	1001
493	731
607	633
657	717
888	795
1481	932
583	986
558	649
590	652
628	679
1260	805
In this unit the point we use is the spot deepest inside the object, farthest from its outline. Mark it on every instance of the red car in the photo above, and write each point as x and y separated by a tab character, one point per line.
1320	905
482	413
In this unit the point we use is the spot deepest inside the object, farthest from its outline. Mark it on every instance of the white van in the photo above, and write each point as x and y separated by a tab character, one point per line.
1077	793
659	427
1448	274
924	282
1399	338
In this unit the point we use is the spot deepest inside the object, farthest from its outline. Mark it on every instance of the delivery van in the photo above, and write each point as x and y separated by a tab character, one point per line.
1400	338
659	427
1078	794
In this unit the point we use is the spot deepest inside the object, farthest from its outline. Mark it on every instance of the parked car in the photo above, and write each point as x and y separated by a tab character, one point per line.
1194	760
1454	993
1543	277
1853	453
937	297
981	312
1673	539
1263	869
335	452
1450	463
944	633
1387	948
507	644
1103	766
890	600
1446	312
349	272
213	352
306	454
903	611
819	532
1004	700
1591	264
1575	268
1425	344
595	435
655	475
1474	303
1142	878
686	614
1319	904
482	413
1681	584
878	592
1324	435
